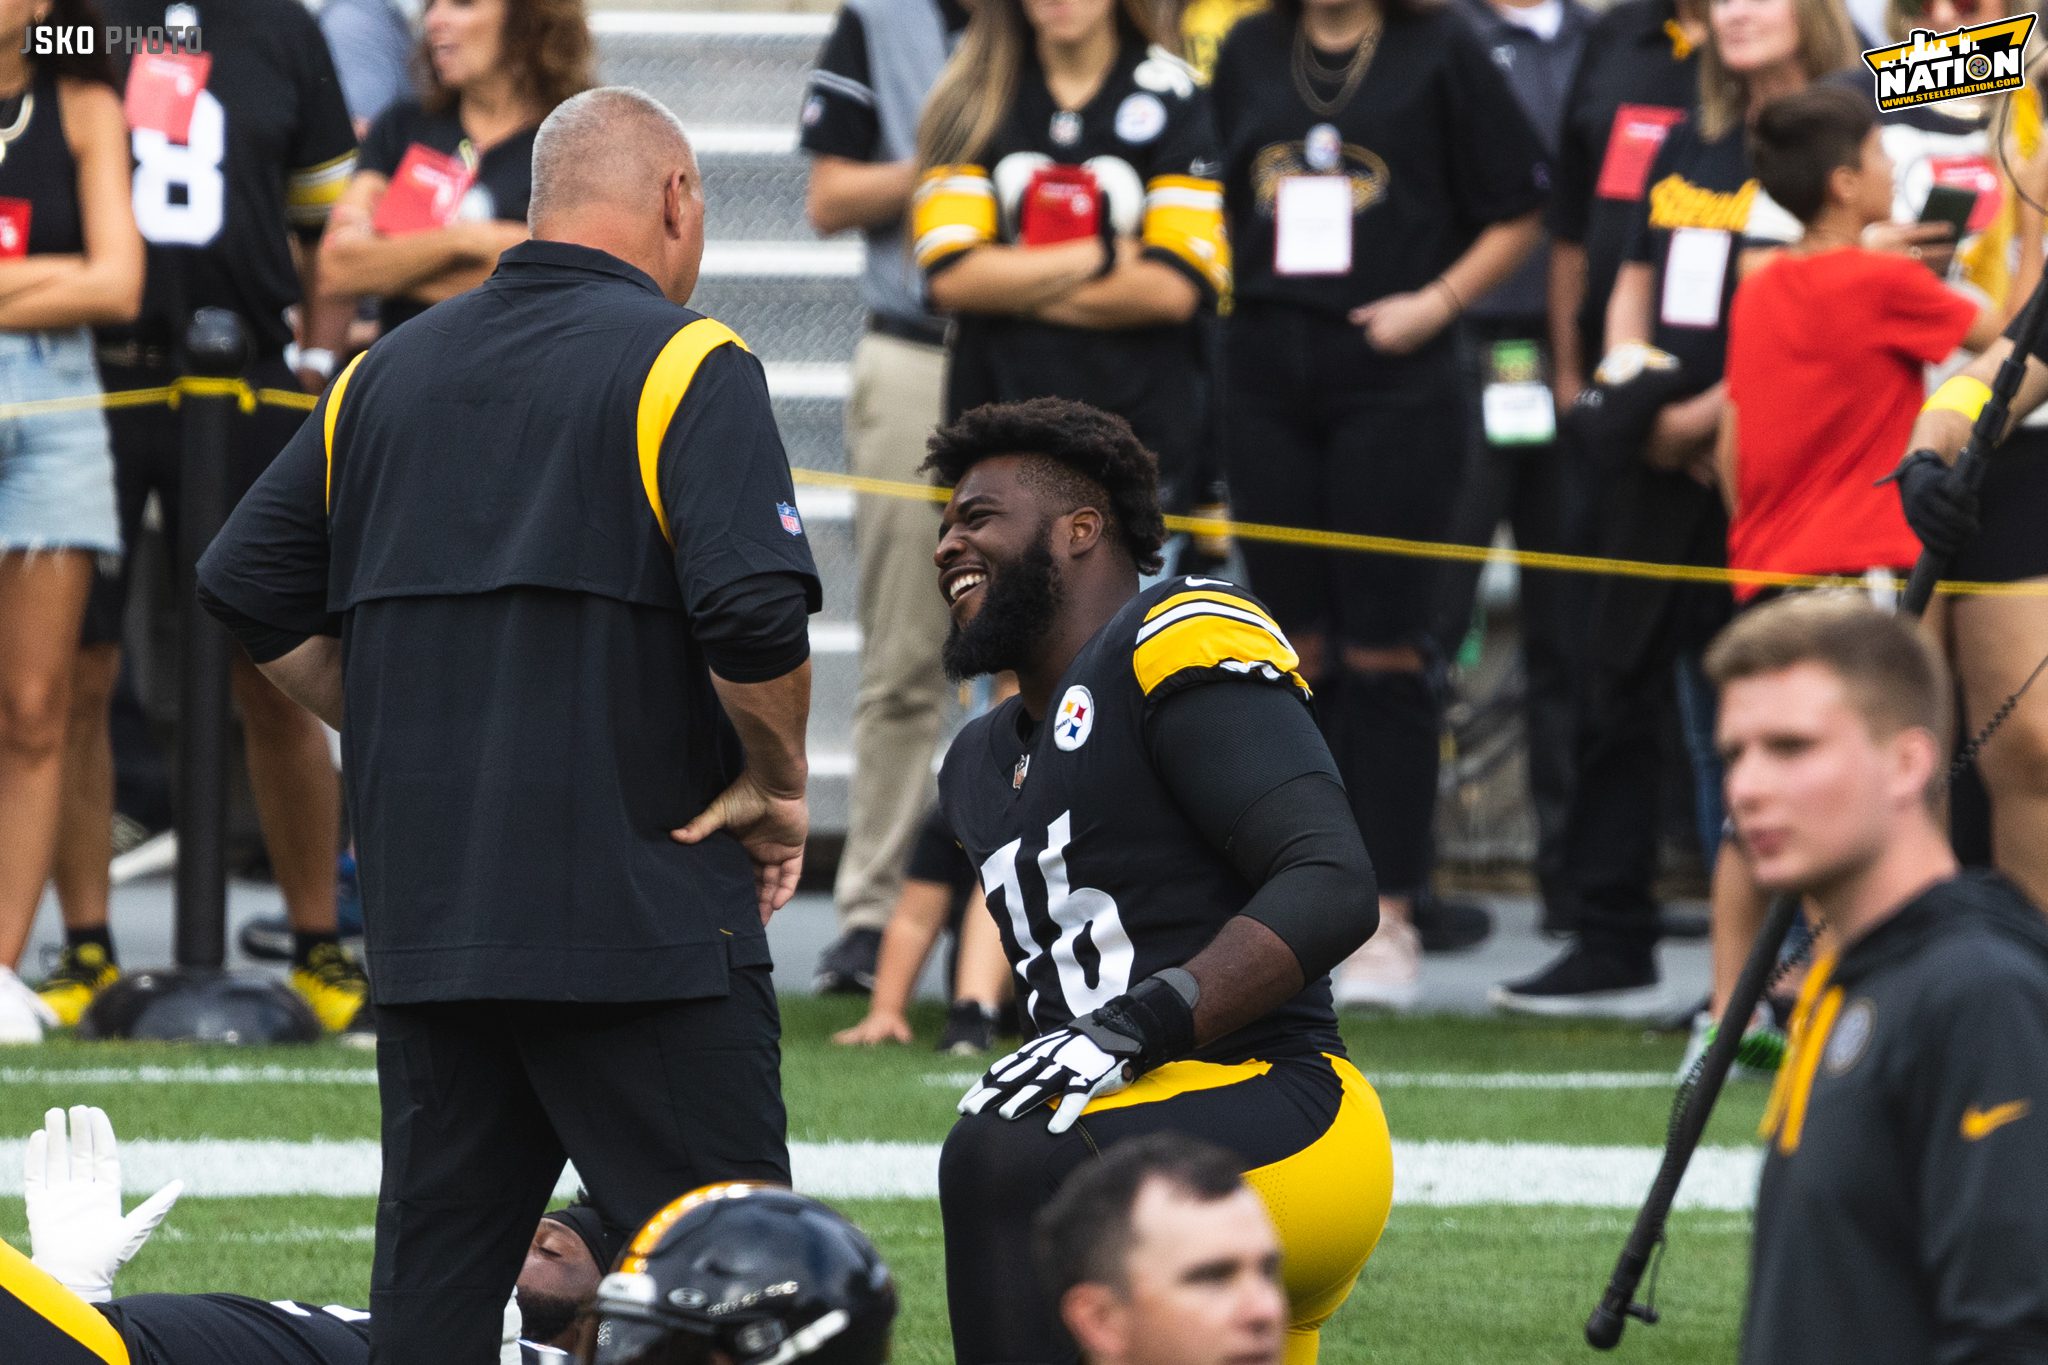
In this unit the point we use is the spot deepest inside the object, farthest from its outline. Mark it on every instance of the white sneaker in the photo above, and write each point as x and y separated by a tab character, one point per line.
23	1015
1386	973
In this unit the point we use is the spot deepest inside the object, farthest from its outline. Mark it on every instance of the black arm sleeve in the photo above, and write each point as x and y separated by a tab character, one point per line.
756	629
1249	767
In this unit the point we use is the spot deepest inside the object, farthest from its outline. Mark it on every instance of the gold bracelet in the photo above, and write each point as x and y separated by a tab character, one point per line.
1959	393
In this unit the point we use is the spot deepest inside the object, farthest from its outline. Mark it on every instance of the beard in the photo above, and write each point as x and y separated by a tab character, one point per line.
545	1317
1017	613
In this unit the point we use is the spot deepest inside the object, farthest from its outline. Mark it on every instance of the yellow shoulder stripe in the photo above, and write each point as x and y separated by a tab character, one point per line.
43	1296
332	416
1208	639
1181	599
667	381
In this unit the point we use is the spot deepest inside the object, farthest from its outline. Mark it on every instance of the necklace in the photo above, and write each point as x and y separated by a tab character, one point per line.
14	129
1309	71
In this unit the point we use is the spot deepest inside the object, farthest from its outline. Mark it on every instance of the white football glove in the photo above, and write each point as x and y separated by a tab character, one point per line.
508	1339
71	1181
1072	1065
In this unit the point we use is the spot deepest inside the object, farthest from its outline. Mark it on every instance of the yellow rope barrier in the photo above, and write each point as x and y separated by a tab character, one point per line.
1428	549
249	399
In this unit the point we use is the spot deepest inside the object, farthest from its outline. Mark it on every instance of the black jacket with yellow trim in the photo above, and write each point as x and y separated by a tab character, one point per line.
1903	1210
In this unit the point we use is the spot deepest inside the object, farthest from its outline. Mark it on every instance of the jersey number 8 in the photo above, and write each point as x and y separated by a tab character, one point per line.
180	192
1072	913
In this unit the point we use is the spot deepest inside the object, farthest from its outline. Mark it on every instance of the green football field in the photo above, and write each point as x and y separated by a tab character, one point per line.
1522	1149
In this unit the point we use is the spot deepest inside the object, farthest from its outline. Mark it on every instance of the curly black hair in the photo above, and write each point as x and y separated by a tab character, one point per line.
1088	458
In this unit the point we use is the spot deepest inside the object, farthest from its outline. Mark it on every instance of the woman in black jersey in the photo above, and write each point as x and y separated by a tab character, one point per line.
1068	213
1378	174
442	181
70	257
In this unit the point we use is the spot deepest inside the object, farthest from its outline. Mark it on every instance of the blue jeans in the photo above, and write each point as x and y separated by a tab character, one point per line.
56	469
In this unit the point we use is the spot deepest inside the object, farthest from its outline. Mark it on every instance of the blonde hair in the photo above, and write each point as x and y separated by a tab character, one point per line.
1827	42
975	91
1891	674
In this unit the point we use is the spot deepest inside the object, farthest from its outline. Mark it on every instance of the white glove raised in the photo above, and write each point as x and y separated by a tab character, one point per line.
508	1338
1072	1064
71	1181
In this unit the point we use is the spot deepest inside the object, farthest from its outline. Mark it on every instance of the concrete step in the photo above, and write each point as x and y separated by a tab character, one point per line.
713	68
753	184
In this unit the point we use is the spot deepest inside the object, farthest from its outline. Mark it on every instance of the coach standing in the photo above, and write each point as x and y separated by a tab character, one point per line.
540	548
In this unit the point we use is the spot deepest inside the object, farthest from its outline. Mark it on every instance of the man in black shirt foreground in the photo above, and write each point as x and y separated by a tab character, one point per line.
1903	1212
58	1308
541	546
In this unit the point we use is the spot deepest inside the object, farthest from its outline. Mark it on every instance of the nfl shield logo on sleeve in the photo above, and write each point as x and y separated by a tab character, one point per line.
791	522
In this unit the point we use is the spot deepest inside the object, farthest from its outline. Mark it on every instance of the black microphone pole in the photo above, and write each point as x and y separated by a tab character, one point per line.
1617	1305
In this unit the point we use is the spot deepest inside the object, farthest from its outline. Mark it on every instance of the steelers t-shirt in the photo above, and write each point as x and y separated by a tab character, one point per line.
268	150
1433	141
1703	207
1147	140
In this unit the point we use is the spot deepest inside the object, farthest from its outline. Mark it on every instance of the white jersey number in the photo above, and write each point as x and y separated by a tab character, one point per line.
1074	911
180	190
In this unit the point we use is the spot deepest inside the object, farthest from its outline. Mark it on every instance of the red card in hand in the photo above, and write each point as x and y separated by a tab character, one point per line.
1060	204
1632	144
163	89
14	215
425	192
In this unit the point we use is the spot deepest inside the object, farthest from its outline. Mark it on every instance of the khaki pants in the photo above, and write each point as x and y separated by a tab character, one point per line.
897	398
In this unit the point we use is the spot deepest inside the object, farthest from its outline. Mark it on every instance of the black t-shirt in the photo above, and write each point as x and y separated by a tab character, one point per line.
214	1329
40	171
529	706
504	174
1637	78
1701	209
1435	144
1148	137
1096	876
839	107
269	150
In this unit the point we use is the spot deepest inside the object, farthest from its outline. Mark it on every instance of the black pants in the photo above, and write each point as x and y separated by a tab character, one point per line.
1636	632
1321	431
1542	493
484	1100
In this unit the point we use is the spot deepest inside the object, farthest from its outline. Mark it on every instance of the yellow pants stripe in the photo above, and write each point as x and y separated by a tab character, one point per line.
23	1282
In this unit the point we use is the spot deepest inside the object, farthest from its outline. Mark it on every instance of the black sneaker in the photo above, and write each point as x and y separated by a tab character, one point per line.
848	966
268	938
970	1030
1450	926
1586	983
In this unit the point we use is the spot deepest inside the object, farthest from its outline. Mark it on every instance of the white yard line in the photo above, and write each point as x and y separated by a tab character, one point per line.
1451	1080
1432	1174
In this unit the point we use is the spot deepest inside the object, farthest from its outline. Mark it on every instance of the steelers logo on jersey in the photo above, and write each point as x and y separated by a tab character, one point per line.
1076	718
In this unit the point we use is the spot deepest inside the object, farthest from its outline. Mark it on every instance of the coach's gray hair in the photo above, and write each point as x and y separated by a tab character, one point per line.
612	145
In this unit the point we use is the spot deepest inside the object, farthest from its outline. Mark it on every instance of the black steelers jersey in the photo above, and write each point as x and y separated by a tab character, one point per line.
215	1329
1095	877
268	149
1148	138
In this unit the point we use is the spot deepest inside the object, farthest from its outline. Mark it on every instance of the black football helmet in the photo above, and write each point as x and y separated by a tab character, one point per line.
743	1274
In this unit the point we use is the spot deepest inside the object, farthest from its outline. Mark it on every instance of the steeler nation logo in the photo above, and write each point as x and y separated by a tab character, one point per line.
1976	59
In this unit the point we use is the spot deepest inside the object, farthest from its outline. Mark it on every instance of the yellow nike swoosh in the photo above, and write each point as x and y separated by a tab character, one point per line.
1981	1123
